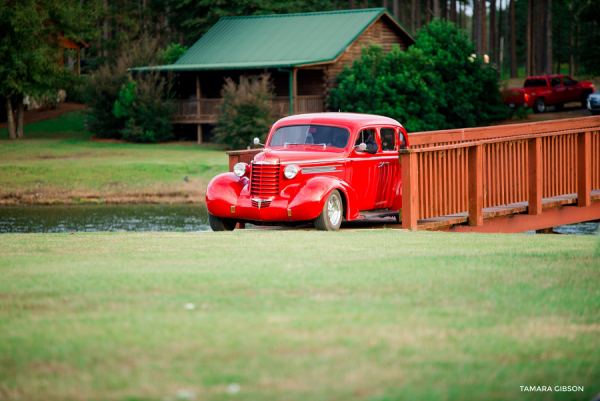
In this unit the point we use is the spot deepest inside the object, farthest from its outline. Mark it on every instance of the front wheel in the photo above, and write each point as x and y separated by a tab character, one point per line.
330	218
221	224
539	106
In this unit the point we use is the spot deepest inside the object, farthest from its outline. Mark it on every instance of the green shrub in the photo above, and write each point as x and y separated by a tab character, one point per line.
435	84
247	111
172	53
102	88
144	103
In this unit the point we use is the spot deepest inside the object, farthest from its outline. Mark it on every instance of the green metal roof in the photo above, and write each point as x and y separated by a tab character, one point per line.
270	41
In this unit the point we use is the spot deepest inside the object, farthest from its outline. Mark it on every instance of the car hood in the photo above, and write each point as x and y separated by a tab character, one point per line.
294	156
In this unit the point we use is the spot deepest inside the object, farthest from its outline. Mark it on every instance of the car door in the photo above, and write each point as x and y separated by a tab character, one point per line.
388	166
573	91
559	91
364	173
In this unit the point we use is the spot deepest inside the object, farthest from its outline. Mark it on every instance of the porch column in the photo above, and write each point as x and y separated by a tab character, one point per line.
198	95
78	61
294	105
198	105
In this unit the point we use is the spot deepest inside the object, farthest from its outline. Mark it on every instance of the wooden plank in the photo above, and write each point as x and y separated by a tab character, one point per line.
475	185
410	201
198	98
535	176
583	169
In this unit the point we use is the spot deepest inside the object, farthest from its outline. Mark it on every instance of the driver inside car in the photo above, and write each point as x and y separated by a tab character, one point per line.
368	138
340	139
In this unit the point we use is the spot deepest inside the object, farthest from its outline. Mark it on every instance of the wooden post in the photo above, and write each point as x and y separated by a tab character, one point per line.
199	133
78	62
475	157
294	105
198	95
410	200
584	158
534	148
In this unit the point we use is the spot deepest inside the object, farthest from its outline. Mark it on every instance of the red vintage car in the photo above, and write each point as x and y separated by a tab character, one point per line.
315	168
548	90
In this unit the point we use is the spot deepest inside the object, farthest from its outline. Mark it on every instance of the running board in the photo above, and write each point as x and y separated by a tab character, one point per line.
378	213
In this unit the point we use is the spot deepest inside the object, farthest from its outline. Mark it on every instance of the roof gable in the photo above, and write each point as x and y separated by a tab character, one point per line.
282	40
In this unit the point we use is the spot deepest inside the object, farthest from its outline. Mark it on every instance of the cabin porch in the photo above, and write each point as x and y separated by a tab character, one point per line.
297	91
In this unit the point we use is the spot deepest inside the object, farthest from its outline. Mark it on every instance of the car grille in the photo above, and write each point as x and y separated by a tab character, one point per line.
264	180
263	204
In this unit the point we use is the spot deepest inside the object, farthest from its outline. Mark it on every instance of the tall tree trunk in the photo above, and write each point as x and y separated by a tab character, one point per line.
105	29
351	4
12	132
395	10
453	11
558	41
483	9
540	61
571	48
436	8
413	15
417	14
549	61
529	67
493	32
20	112
475	24
513	42
384	4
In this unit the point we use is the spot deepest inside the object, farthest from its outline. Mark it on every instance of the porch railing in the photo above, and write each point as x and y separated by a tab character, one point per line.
210	109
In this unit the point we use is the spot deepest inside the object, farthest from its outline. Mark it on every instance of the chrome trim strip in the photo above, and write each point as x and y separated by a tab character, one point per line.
314	161
322	171
263	162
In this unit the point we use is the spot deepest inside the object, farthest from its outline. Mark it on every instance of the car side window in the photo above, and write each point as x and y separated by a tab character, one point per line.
388	139
363	136
568	81
555	82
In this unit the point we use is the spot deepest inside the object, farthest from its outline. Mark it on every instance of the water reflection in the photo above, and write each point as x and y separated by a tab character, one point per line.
88	218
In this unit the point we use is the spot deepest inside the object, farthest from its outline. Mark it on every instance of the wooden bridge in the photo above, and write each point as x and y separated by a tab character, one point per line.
510	178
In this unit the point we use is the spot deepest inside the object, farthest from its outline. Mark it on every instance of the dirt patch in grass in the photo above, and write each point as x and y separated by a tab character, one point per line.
37	115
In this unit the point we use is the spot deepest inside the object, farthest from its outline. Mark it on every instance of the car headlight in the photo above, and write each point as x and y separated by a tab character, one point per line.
240	169
291	171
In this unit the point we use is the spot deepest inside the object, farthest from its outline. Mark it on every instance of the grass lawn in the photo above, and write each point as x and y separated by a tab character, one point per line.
57	163
296	315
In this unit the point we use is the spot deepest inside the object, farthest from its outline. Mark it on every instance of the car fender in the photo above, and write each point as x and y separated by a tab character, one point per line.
309	199
223	192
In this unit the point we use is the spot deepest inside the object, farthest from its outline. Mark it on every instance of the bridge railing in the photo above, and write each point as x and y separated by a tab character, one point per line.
454	171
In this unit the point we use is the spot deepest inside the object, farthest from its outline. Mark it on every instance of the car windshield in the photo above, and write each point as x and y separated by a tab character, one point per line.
534	83
308	135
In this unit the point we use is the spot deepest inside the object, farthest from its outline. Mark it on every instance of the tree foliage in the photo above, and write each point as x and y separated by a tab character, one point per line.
196	17
30	48
247	111
104	88
144	105
435	84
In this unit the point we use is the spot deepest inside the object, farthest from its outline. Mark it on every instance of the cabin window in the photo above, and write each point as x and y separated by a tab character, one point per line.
568	81
377	32
555	82
388	139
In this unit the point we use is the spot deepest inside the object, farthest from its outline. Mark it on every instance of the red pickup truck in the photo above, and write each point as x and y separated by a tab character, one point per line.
548	90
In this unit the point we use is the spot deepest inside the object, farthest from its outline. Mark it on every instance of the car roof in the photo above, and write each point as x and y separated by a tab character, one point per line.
352	121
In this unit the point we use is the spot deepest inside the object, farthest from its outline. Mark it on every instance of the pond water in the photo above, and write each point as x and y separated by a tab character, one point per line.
88	218
185	218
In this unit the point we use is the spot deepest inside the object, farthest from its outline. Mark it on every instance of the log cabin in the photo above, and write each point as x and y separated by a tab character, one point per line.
303	53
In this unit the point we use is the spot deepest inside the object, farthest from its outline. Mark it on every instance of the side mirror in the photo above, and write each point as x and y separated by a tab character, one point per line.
257	142
362	147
